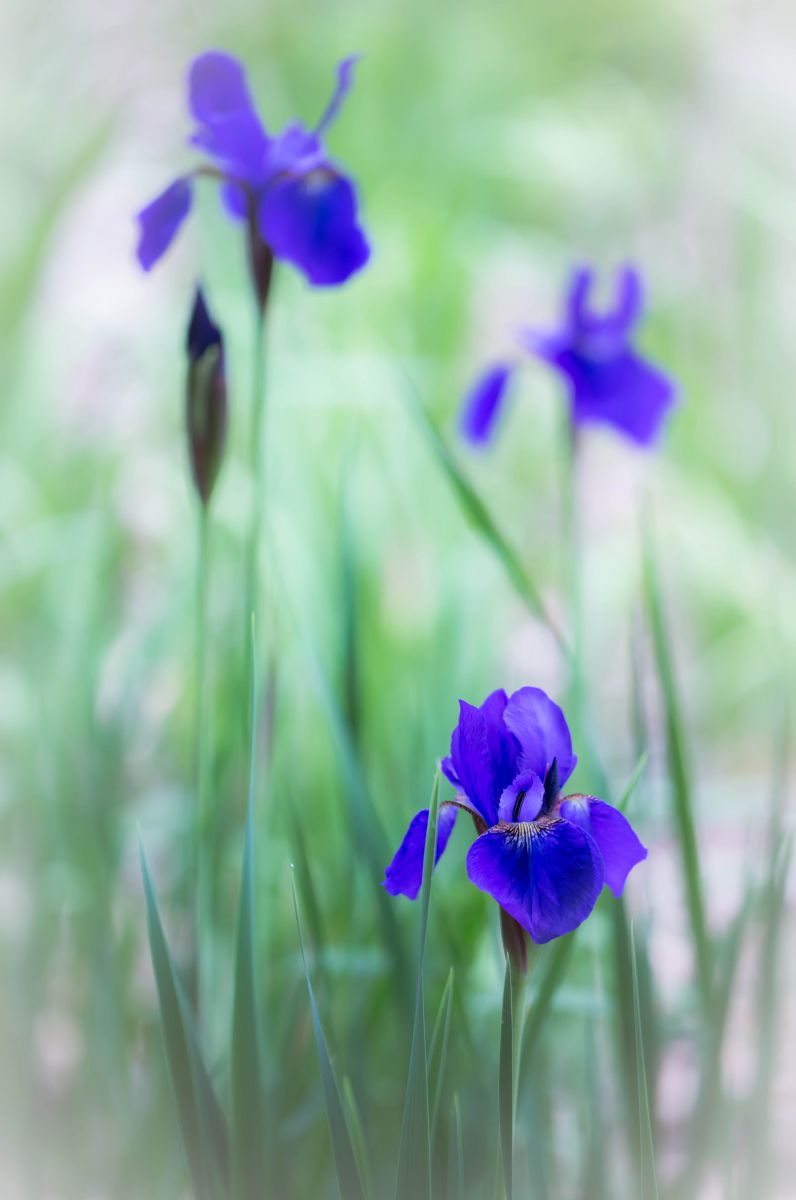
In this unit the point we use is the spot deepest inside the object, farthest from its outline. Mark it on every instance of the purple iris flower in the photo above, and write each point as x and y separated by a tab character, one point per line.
543	857
286	186
607	380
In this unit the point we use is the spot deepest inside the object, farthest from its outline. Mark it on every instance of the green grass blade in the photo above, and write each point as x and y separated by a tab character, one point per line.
556	960
703	1125
202	1124
354	1118
248	1115
479	517
649	1176
456	1156
506	1082
635	778
680	774
249	1126
414	1152
438	1050
345	1158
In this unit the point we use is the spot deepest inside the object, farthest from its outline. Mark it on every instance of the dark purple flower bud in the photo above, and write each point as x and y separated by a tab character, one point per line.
206	395
544	859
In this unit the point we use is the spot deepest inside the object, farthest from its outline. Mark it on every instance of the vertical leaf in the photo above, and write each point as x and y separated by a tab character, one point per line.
456	1156
680	773
438	1049
345	1160
248	1108
649	1178
202	1124
414	1152
479	517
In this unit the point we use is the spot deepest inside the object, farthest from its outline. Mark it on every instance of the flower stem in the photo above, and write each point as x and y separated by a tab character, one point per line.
203	914
510	1043
257	468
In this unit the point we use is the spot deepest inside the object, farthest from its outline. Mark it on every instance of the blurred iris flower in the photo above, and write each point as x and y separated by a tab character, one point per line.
544	858
607	380
286	186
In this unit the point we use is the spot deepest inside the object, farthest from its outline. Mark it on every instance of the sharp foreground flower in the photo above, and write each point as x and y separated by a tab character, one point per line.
286	186
607	380
543	857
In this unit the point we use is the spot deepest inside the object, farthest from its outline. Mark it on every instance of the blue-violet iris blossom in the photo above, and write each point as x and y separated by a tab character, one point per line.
543	857
607	380
286	186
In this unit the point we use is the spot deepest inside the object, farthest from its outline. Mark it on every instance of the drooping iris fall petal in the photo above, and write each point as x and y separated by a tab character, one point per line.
547	875
616	840
404	875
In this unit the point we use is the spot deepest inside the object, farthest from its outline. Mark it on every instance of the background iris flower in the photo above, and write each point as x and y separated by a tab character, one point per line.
544	858
607	380
293	196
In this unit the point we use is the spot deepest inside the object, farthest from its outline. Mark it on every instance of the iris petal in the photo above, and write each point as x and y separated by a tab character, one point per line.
483	404
616	840
472	762
404	875
547	874
345	77
229	127
522	799
160	221
311	220
541	730
502	746
625	392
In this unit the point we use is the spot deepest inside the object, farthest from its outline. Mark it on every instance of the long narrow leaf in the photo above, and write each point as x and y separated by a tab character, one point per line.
248	1108
414	1153
506	1083
438	1049
649	1177
345	1160
202	1123
680	773
456	1155
479	517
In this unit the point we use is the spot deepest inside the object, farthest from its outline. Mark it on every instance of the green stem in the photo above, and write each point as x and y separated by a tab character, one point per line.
203	902
574	549
257	469
510	1044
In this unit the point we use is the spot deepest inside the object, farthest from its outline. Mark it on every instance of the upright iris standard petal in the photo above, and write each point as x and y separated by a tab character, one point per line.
502	745
229	127
311	220
472	763
404	875
522	799
160	221
541	730
345	78
483	404
546	874
618	844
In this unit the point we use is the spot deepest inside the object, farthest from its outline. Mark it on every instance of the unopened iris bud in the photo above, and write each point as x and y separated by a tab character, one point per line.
206	395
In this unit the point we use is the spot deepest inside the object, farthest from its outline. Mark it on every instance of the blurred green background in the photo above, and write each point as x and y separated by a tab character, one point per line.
495	145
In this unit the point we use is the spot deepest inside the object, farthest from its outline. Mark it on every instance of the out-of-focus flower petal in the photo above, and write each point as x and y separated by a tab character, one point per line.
616	840
624	391
472	762
546	875
160	221
483	403
404	875
345	77
311	221
541	730
522	799
229	127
